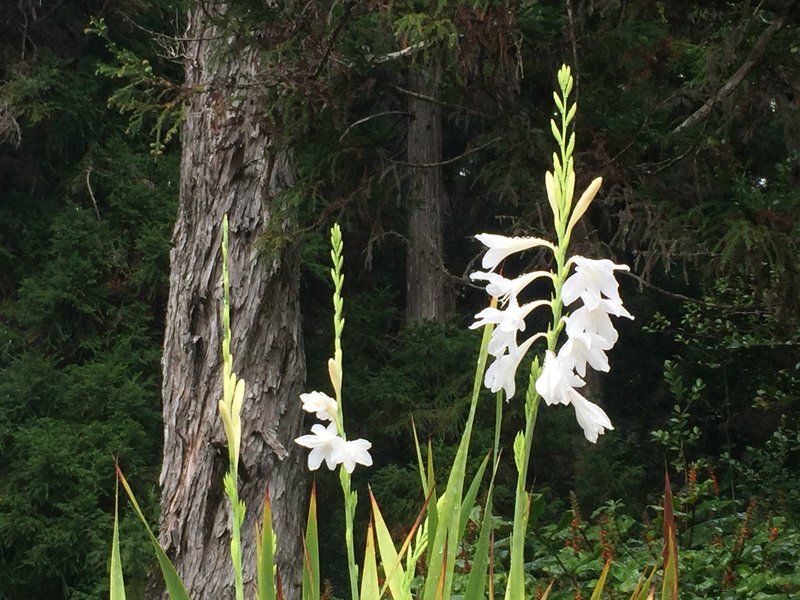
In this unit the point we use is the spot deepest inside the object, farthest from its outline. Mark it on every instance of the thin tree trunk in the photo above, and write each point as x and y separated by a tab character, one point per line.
426	295
229	166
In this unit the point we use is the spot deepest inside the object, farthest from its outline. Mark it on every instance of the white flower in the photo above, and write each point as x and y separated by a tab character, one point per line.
501	288
502	372
556	385
556	382
510	319
592	280
325	444
352	452
320	403
501	246
596	321
592	419
585	348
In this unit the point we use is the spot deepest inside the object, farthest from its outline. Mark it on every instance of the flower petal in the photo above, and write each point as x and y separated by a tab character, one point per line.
592	419
501	246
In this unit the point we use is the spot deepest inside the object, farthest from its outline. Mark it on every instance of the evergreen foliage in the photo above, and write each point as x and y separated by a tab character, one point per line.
85	226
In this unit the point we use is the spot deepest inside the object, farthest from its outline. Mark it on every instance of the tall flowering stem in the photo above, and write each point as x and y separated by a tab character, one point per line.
329	443
335	372
591	335
230	408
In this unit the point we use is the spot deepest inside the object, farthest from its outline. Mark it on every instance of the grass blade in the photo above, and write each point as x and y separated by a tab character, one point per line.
469	497
643	589
476	584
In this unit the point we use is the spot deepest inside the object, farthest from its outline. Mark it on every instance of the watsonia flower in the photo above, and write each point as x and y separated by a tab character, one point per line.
590	332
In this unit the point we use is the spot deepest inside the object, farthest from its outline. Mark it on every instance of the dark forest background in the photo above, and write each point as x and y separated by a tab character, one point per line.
689	112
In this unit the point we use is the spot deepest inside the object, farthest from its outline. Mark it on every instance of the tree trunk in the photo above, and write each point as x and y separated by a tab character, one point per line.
426	295
229	165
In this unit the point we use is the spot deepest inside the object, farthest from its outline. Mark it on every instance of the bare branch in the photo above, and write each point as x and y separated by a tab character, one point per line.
399	54
449	161
370	117
91	193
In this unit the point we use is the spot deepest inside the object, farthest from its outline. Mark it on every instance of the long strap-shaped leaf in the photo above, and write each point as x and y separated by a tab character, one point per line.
265	556
669	588
117	582
175	587
476	584
370	588
391	560
601	582
311	551
442	555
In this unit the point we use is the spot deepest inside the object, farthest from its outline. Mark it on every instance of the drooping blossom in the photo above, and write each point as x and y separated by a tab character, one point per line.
501	247
556	385
325	444
510	319
557	382
596	322
591	281
320	403
502	372
592	419
503	289
585	348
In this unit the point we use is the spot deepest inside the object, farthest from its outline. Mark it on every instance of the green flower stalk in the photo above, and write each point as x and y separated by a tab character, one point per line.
230	408
329	443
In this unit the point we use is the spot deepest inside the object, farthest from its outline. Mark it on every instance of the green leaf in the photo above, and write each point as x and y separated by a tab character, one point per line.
392	567
469	497
265	543
433	507
311	551
175	587
370	589
476	584
117	582
669	587
642	590
601	582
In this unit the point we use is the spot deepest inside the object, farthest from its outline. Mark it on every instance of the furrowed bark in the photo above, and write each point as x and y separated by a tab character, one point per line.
230	164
